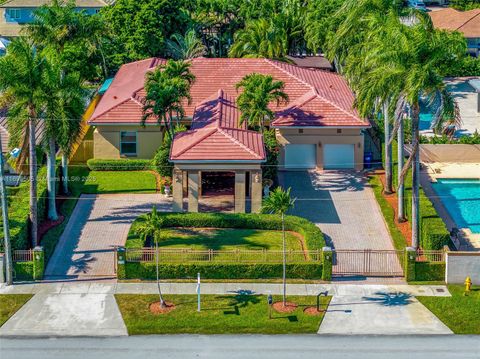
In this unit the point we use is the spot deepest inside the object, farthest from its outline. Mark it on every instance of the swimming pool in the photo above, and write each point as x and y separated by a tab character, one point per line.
461	198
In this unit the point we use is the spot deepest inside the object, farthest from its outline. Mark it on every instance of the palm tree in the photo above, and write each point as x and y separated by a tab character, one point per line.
167	87
279	202
185	47
150	229
25	74
260	39
6	226
259	91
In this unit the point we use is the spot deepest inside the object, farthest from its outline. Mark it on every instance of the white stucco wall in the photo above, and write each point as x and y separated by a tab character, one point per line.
461	265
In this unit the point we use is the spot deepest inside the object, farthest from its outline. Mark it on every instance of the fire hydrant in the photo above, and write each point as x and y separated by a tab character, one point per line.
468	285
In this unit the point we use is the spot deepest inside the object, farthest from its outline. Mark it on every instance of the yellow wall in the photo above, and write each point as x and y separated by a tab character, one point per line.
107	141
323	136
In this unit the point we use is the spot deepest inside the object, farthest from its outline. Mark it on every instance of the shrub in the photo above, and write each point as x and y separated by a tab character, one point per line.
270	168
143	270
428	271
311	233
123	164
161	158
23	270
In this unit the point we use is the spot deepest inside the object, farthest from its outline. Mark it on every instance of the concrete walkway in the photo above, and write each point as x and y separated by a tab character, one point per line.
98	224
89	308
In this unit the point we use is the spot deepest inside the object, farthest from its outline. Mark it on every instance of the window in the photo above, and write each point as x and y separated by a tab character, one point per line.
128	143
13	14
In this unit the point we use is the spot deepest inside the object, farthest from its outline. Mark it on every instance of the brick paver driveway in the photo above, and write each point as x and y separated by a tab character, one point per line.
98	223
343	205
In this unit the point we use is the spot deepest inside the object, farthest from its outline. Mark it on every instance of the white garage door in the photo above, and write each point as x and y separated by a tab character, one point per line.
300	156
338	156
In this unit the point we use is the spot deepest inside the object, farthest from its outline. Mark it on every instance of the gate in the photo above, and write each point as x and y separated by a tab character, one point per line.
368	262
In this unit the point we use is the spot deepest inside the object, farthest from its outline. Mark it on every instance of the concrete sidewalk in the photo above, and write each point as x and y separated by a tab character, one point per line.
333	289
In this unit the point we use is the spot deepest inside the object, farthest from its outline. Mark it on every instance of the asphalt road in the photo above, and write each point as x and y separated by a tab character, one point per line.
245	346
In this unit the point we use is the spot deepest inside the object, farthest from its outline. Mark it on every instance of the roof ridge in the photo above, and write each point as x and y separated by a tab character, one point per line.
314	89
207	134
241	144
466	22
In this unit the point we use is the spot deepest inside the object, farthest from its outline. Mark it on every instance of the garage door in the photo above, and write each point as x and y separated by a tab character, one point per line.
338	156
300	156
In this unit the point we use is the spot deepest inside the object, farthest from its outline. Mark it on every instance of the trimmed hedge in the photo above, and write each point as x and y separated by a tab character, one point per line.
19	209
221	271
23	270
123	164
427	271
311	233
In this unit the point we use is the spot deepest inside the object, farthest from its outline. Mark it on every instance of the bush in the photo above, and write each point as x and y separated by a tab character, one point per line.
143	270
428	271
270	168
19	210
468	66
162	156
23	270
123	164
311	233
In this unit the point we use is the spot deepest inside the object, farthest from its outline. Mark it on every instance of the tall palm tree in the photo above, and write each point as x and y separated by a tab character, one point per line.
260	39
186	47
150	229
258	92
280	202
6	226
25	74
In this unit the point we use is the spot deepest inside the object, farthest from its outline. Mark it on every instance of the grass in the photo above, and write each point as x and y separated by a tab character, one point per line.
388	213
220	239
10	303
221	314
119	182
460	313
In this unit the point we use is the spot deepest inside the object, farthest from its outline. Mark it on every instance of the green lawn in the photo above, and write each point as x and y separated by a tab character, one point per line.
10	303
228	314
219	239
460	313
119	182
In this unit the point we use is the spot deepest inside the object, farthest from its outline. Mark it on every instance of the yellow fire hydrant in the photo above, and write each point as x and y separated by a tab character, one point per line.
468	285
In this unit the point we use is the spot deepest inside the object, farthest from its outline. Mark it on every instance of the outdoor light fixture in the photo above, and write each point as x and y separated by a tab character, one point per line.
256	178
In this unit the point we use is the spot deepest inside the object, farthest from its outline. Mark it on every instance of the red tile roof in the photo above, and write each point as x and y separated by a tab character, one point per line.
216	134
467	22
122	103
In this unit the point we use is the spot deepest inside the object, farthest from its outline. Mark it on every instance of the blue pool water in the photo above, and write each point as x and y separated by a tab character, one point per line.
425	121
461	198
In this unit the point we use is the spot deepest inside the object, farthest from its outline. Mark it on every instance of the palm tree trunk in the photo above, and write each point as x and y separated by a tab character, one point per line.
51	180
388	152
401	186
65	173
415	177
33	178
157	254
6	228
284	262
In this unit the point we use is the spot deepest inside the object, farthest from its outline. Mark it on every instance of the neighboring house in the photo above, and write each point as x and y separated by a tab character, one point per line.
317	129
312	62
15	13
466	22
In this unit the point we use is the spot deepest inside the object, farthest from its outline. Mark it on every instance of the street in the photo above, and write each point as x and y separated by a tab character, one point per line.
245	346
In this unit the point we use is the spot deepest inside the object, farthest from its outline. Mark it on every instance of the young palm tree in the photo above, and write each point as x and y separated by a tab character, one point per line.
259	91
25	74
260	39
186	47
280	202
150	229
6	226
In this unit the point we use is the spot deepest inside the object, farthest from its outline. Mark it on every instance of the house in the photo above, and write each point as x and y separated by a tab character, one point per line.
15	13
466	22
317	129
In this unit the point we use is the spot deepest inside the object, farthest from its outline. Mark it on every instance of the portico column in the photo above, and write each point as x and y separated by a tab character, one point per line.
193	179
177	181
257	190
240	192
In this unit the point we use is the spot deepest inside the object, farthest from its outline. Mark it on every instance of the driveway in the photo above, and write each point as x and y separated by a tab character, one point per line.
98	224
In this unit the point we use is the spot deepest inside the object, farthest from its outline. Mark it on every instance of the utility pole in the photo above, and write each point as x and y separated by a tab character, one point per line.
6	228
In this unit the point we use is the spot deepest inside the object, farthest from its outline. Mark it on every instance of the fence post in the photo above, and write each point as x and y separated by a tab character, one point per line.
327	260
121	273
2	268
38	262
410	262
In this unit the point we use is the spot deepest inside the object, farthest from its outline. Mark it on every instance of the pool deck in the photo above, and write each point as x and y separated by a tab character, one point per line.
468	241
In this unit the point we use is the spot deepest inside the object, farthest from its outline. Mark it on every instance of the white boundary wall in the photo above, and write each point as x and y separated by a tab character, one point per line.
460	265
